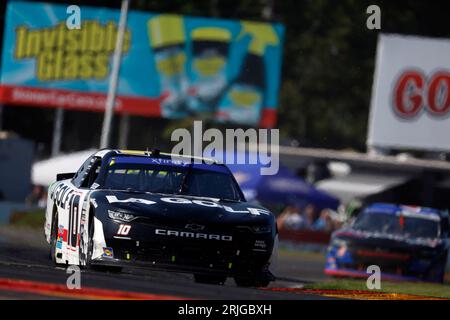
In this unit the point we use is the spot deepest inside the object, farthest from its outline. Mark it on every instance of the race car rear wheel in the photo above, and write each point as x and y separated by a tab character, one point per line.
54	237
249	282
201	278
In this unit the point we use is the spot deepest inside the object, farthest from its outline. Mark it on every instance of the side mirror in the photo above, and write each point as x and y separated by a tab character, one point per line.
65	176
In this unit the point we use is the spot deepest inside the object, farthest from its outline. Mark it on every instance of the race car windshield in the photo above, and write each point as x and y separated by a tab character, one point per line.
413	227
172	180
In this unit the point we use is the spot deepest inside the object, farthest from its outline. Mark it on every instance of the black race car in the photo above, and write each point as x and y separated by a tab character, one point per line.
149	209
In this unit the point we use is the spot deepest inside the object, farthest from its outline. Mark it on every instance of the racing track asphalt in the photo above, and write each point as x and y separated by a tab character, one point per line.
30	262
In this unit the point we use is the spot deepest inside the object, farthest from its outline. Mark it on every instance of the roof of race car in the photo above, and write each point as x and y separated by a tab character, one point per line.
161	159
167	162
388	208
141	153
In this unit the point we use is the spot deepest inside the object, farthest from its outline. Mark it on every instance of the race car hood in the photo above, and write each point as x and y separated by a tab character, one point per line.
159	207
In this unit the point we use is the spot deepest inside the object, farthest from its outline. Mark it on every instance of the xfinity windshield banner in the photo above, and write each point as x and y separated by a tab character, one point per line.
411	94
172	66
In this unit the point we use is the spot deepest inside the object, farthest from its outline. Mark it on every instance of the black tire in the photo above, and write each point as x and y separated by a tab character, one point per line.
249	282
437	273
90	245
208	279
101	268
54	238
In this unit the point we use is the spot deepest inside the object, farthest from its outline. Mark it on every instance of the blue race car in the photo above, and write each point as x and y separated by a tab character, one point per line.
407	243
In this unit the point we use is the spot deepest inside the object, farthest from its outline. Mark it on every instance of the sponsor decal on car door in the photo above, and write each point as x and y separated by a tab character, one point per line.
69	202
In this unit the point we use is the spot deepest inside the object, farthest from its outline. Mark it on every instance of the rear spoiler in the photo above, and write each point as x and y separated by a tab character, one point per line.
64	176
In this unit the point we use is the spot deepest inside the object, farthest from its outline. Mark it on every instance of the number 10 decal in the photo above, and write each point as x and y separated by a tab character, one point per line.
124	229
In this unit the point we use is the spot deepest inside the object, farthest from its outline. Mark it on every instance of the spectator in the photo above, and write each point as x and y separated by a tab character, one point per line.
324	222
309	217
42	203
34	197
290	218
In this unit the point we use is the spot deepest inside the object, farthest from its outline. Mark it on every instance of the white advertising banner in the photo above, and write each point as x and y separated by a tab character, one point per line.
410	105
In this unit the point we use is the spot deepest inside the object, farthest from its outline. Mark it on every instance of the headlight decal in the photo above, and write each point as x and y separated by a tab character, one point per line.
122	216
261	229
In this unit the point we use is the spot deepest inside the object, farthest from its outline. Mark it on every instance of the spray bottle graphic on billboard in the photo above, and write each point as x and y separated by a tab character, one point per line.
167	39
244	99
210	46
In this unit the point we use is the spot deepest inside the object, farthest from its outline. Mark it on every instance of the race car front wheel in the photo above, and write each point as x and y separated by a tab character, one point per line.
90	249
90	244
437	272
201	278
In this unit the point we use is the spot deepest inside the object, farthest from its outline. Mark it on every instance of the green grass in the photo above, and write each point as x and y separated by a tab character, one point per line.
32	219
415	288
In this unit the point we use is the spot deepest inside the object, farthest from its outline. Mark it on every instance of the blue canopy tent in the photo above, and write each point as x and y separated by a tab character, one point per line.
282	188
